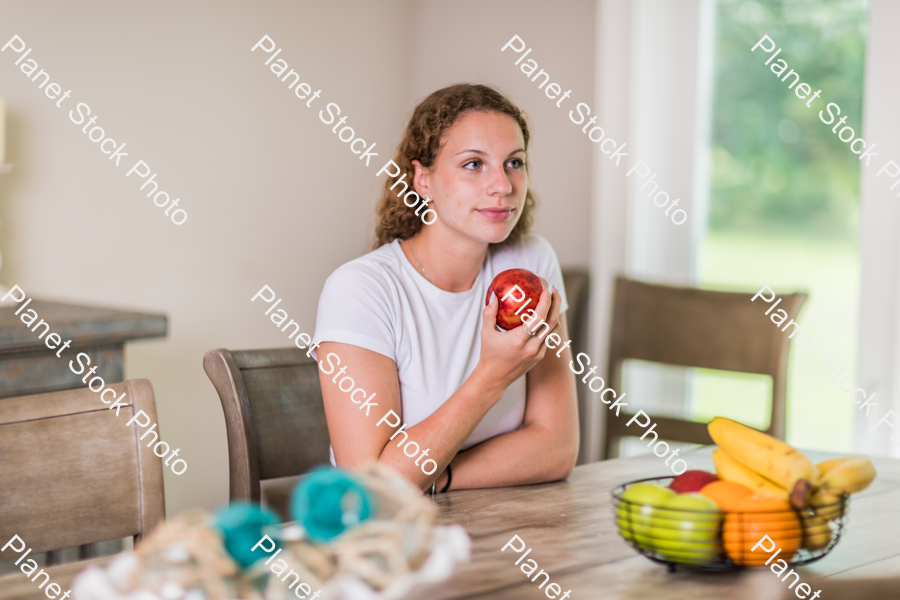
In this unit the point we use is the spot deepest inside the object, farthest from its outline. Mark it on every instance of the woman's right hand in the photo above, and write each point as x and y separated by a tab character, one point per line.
506	356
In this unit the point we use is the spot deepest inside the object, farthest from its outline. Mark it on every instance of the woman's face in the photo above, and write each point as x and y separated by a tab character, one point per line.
478	181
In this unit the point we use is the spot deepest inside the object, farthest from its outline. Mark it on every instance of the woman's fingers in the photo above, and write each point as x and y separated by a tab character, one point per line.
548	307
551	318
555	305
553	329
529	340
544	304
540	309
489	314
556	328
542	314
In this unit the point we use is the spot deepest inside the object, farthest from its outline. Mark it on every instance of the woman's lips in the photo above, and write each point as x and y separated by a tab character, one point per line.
496	214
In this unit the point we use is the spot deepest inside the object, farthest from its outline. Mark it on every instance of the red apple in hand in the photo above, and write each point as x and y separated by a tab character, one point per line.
691	481
514	288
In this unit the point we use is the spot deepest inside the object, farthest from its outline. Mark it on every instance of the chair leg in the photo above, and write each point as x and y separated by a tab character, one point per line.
86	551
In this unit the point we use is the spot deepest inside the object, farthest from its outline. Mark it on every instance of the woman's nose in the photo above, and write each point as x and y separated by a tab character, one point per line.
499	182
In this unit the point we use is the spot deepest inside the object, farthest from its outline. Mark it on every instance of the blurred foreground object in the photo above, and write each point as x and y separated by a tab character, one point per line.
328	501
387	556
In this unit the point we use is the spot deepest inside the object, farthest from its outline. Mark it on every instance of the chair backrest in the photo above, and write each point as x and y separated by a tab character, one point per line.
576	282
274	414
699	328
73	473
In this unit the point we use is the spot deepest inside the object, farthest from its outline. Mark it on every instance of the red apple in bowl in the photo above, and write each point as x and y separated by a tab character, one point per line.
516	290
691	481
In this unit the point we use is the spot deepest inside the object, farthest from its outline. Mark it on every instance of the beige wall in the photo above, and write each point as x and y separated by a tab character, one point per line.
463	44
272	196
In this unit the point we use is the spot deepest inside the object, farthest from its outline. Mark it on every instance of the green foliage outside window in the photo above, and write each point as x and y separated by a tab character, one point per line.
775	165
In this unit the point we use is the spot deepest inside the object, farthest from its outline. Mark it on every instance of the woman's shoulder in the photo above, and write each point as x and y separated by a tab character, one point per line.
373	273
359	304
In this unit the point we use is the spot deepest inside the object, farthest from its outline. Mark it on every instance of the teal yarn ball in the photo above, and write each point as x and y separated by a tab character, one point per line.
329	501
241	524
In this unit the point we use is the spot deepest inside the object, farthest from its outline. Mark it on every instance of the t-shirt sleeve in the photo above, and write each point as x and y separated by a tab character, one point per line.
357	307
541	254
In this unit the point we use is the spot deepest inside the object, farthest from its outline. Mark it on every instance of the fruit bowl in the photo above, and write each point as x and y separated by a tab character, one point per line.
676	535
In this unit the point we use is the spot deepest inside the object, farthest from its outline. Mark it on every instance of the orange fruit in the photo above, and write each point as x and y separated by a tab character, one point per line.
727	494
758	516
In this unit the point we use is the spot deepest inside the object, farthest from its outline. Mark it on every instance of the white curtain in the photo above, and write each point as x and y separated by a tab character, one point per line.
652	90
879	325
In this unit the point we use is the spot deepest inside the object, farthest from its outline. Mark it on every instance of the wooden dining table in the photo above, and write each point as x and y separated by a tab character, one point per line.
571	531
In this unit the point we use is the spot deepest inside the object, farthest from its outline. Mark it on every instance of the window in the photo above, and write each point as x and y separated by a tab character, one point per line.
784	201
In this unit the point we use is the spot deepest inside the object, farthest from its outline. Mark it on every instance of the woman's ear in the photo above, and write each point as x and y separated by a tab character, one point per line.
422	179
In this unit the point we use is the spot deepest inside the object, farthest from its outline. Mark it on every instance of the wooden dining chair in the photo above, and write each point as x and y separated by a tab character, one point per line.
274	415
576	282
72	472
690	327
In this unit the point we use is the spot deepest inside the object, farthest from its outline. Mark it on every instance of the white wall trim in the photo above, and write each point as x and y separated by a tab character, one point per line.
879	325
608	214
647	50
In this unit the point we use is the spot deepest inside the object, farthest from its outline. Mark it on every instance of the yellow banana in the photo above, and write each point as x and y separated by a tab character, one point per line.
816	532
847	475
826	505
731	470
827	465
760	452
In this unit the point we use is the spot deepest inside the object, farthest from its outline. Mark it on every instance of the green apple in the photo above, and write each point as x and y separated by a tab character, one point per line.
686	529
635	510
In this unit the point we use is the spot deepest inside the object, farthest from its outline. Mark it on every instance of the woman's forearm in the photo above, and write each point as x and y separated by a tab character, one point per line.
532	454
545	448
444	431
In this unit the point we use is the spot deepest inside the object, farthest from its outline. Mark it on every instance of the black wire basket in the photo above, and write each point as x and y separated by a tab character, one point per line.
723	541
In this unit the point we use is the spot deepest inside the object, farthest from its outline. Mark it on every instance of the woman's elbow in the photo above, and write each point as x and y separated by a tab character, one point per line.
565	462
568	466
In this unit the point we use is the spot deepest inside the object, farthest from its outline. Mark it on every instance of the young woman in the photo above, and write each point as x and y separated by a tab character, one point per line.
408	320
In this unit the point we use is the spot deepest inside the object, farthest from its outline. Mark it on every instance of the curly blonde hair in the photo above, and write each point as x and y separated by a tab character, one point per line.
422	141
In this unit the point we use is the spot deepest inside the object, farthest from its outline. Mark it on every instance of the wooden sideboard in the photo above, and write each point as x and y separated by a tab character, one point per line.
28	366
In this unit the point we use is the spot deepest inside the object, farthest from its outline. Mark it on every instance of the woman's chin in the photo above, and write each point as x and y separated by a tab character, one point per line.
486	233
495	235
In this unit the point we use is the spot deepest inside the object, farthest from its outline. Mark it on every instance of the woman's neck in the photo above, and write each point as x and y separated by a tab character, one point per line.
450	263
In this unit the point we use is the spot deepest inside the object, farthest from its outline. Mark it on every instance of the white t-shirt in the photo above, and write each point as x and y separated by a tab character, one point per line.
380	302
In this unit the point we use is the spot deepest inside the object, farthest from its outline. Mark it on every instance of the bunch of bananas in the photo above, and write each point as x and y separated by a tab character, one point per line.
772	468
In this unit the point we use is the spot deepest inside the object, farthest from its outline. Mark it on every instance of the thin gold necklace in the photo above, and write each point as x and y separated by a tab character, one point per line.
418	262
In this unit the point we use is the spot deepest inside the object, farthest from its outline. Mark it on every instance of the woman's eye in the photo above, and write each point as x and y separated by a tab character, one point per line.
516	163
472	164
